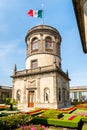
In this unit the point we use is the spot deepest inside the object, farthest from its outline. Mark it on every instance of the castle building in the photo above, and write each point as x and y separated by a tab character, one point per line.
42	84
5	92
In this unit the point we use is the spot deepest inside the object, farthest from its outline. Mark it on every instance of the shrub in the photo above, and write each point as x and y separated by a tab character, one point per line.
75	102
3	114
14	121
11	102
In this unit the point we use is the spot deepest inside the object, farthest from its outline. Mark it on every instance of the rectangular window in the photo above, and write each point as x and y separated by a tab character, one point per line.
48	45
34	46
34	64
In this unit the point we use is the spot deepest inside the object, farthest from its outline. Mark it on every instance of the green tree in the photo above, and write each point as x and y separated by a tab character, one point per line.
11	102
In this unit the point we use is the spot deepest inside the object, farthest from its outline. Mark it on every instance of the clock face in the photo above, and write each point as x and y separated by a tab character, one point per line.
85	7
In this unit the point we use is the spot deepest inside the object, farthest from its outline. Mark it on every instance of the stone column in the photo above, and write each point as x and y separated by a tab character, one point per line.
24	92
55	90
13	82
79	96
41	43
27	92
38	90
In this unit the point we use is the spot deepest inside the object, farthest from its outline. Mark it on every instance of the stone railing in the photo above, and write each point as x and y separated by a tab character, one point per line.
35	70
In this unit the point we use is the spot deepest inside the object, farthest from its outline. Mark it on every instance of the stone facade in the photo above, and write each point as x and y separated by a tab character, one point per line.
42	84
76	93
5	92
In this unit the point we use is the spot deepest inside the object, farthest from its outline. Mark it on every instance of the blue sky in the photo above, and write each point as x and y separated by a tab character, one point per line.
14	25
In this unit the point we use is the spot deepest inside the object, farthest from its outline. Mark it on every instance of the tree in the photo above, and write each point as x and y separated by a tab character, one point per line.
11	102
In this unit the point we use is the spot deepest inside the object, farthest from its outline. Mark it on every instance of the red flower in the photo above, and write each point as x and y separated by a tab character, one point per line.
71	118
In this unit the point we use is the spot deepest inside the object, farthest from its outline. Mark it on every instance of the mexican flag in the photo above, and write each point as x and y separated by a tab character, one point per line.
35	13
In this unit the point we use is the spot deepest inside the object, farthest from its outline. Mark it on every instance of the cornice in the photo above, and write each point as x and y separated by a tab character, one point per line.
56	70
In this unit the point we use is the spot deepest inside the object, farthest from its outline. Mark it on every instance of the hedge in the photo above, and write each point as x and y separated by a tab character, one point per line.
58	122
3	114
51	113
84	119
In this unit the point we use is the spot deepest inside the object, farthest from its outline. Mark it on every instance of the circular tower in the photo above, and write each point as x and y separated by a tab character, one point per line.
43	47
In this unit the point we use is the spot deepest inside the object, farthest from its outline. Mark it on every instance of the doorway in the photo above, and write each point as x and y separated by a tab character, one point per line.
31	96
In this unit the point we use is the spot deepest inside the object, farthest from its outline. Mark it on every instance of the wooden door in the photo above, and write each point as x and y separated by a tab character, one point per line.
31	99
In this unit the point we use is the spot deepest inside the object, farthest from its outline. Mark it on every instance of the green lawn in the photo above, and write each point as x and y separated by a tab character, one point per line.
84	127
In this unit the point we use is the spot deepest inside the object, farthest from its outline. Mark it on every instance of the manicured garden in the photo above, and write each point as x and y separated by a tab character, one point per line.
57	118
44	119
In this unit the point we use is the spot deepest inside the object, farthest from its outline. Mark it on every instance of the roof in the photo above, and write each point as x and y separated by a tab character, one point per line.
42	28
5	87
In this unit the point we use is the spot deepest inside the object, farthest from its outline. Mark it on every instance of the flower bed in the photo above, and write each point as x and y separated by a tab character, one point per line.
36	112
50	117
14	121
84	105
71	117
74	123
68	110
80	112
4	107
33	127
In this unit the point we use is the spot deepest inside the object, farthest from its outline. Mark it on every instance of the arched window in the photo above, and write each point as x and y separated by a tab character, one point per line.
48	43
18	95
34	44
46	95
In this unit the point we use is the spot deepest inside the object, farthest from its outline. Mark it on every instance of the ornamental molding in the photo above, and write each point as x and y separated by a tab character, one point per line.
32	84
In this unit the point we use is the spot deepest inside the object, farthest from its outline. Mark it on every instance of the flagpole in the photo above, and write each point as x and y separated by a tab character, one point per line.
42	14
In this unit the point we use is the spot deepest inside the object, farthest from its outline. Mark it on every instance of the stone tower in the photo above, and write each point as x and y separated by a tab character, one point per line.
43	44
42	83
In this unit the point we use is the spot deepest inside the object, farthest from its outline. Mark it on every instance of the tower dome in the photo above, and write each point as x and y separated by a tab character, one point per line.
43	47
